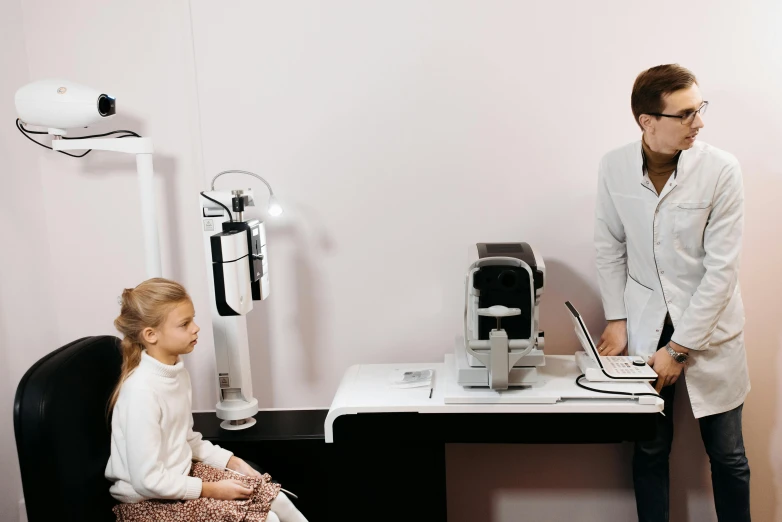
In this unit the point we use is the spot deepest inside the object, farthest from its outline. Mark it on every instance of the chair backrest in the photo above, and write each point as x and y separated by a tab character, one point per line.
62	432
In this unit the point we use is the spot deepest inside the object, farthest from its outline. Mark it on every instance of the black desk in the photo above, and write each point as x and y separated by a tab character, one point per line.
390	442
386	460
287	444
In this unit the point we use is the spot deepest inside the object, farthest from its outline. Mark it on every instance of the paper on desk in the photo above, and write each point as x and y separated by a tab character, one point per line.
401	378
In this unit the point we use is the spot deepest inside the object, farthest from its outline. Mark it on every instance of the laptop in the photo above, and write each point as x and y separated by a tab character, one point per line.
597	368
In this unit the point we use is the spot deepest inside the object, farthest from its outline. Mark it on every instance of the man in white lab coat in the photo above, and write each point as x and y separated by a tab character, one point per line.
668	227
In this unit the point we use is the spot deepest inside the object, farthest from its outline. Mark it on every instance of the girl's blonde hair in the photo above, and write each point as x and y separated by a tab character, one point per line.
145	306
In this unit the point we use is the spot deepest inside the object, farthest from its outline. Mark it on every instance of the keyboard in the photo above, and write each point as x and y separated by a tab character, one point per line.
622	366
617	367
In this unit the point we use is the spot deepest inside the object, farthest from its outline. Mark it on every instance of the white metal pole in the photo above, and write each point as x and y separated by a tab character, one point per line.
148	218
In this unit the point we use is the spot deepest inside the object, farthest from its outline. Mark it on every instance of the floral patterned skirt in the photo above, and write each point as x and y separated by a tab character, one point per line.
206	509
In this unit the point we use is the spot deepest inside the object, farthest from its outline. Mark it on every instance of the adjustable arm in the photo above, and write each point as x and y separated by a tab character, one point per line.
128	145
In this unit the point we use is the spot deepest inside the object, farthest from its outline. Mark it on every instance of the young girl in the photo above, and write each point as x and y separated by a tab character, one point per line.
153	444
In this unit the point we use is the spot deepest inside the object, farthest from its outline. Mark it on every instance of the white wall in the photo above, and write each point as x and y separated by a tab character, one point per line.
27	317
141	52
396	135
86	243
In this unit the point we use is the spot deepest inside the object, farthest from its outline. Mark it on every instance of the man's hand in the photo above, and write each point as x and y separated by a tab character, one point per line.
614	339
230	489
668	370
240	466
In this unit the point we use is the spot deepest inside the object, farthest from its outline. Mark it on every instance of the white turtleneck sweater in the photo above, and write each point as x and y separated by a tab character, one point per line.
152	439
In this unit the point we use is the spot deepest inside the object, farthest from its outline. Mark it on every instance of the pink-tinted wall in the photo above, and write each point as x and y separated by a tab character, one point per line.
396	135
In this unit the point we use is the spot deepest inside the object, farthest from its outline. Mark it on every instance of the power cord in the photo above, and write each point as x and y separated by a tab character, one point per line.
578	383
215	201
26	132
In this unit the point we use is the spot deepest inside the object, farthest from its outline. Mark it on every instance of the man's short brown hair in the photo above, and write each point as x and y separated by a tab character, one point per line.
652	85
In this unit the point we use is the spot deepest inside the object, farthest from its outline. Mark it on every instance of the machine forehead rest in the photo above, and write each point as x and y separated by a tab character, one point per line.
520	251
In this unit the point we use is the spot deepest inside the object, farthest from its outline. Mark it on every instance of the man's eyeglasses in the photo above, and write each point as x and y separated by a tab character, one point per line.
686	118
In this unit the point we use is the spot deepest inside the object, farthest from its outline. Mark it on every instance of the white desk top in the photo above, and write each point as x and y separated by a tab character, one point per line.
366	388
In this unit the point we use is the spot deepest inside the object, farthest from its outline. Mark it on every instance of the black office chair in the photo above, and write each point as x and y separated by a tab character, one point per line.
62	434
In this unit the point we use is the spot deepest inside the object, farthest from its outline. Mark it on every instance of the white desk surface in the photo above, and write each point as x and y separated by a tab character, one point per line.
366	388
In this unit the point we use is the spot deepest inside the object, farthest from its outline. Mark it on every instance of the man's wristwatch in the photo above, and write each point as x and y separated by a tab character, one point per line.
680	358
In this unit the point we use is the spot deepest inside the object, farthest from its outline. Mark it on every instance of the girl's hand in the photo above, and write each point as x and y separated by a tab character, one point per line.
230	489
240	466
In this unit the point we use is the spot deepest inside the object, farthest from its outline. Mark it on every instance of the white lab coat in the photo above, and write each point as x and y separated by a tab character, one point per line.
677	253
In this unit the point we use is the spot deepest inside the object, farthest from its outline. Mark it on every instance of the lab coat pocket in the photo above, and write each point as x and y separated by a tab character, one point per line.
689	223
636	299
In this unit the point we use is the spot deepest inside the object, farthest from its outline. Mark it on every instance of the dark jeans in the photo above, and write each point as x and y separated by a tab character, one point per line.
721	434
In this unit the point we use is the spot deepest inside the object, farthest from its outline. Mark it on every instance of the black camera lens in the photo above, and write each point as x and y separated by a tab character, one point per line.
508	278
106	105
